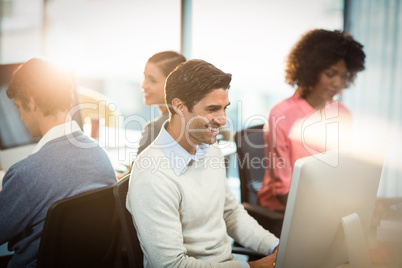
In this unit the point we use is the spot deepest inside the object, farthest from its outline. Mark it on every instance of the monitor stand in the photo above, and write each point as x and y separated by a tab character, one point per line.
355	243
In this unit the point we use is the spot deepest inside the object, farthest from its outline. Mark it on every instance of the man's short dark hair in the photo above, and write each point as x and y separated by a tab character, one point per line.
49	85
192	80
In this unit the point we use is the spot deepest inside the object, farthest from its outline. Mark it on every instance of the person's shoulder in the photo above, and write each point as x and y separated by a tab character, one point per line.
75	140
339	108
343	107
285	106
74	149
158	121
149	170
147	125
161	119
26	163
21	169
152	150
154	126
149	159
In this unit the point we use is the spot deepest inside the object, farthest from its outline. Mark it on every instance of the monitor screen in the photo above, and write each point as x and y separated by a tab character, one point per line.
324	190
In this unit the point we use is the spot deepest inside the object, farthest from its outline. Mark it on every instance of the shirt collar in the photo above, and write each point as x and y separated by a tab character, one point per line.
178	157
56	132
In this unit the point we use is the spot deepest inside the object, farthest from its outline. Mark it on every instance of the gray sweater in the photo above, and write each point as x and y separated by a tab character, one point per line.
185	220
58	170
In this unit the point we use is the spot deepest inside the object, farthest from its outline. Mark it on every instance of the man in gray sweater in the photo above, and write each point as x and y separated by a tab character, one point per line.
64	163
182	206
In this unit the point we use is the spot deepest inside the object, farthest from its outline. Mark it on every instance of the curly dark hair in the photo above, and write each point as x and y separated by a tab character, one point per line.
190	81
318	50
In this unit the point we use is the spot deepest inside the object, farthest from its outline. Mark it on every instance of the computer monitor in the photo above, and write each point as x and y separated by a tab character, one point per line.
330	206
16	142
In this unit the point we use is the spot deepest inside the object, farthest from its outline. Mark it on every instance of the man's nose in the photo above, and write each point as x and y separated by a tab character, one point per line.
221	119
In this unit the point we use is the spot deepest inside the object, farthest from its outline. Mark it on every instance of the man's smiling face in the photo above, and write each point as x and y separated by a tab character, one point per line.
207	116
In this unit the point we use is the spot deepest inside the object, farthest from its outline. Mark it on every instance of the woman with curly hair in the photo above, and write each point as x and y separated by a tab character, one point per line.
320	65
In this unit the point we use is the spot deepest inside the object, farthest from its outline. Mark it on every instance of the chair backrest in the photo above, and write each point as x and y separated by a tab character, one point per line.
81	231
134	251
250	154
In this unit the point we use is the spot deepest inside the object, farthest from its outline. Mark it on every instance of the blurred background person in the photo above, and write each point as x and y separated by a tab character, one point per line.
157	68
320	65
65	162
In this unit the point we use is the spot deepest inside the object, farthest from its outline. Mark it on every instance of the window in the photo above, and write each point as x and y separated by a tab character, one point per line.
251	39
20	24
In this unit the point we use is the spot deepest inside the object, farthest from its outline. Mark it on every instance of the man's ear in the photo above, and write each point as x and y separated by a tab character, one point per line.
32	104
178	106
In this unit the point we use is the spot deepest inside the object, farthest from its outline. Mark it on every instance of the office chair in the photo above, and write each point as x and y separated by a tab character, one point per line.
130	240
81	231
251	145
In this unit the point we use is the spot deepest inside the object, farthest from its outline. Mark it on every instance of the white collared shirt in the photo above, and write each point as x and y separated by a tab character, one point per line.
178	157
56	132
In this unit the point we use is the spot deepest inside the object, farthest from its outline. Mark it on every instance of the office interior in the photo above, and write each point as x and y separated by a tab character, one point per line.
106	44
